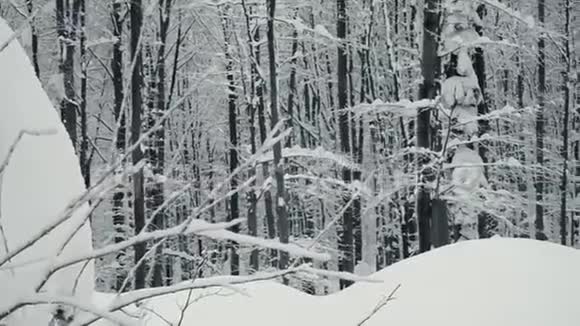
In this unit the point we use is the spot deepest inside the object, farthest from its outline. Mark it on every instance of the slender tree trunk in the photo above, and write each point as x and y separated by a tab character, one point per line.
292	87
66	21
346	263
84	150
151	155
34	39
281	211
485	224
117	72
539	223
430	69
268	204
157	144
565	133
136	16
233	128
252	197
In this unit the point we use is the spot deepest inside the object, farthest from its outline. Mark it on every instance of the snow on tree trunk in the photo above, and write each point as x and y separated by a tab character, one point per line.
41	178
461	96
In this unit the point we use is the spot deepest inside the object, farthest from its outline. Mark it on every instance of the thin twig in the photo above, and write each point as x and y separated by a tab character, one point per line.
380	305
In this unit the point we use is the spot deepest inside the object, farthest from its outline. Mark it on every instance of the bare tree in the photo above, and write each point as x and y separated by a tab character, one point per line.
539	184
34	38
568	59
430	68
233	131
346	263
485	223
281	209
119	220
136	15
66	24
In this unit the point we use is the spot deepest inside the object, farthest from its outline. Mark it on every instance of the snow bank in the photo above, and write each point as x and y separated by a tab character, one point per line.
513	282
41	178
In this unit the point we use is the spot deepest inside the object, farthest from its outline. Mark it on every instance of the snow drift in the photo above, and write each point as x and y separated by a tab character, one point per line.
513	282
41	178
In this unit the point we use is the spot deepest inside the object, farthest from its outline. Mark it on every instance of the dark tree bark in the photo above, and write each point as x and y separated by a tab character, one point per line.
233	128
84	150
151	155
268	204
485	223
117	72
292	87
346	242
252	196
66	23
430	68
34	39
539	222
281	211
136	15
157	144
565	132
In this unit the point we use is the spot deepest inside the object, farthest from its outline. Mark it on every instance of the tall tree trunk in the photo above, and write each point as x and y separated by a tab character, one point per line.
84	150
151	155
252	196
292	87
34	39
136	15
485	223
117	71
233	128
281	211
346	263
157	143
66	22
430	69
268	204
539	223
565	133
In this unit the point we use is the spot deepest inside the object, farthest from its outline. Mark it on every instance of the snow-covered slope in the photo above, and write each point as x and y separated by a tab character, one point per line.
507	282
42	177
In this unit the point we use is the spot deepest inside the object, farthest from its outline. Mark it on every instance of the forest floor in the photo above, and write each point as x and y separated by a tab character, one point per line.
514	282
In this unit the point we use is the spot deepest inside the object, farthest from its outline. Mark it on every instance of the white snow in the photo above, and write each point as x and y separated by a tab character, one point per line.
41	178
515	282
468	174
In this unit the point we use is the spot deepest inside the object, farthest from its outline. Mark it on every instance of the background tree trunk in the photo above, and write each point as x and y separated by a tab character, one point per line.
233	130
485	223
346	243
281	208
565	132
136	15
539	223
34	39
119	220
430	68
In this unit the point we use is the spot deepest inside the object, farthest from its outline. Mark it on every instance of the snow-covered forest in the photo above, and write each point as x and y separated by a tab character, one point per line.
289	162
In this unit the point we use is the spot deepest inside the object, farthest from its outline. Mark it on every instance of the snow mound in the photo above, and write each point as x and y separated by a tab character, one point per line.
41	178
515	282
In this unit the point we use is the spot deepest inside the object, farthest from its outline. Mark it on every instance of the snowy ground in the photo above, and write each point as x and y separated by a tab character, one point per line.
512	282
478	283
40	177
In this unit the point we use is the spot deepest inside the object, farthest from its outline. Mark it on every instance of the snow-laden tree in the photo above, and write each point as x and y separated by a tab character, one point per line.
461	95
41	220
46	253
